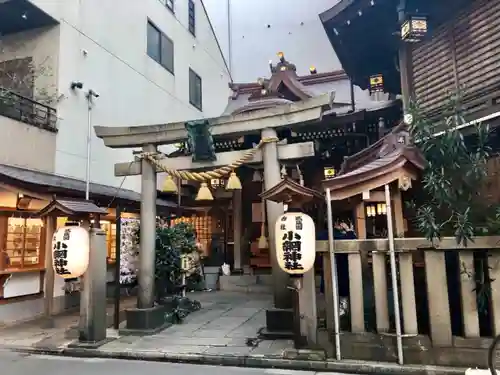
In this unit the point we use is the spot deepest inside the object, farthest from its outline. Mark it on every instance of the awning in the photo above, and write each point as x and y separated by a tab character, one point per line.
47	183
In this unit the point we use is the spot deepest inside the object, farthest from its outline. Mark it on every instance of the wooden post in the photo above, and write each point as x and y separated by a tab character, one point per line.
468	294
437	293
50	223
237	226
118	247
356	276
405	63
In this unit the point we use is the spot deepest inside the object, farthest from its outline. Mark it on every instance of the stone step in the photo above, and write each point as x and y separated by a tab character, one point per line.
246	283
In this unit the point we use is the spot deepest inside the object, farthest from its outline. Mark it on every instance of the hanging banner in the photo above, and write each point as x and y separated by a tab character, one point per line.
295	242
129	254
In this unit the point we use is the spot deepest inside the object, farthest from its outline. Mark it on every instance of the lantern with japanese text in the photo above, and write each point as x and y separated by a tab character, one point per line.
414	29
295	242
70	252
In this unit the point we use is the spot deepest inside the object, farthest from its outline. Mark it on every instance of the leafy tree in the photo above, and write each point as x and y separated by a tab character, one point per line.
20	74
450	202
171	244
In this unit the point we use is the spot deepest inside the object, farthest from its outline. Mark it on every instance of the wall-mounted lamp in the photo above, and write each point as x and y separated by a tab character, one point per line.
23	201
329	173
313	70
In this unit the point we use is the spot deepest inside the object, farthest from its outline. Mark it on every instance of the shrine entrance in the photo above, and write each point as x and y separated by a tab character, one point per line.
269	130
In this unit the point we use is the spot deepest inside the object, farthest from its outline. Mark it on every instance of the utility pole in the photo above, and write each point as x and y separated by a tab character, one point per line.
90	95
229	38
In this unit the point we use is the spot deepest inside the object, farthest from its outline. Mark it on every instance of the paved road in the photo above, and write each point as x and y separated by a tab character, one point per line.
21	364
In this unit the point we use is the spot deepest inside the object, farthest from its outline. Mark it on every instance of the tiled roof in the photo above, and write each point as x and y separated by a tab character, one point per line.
43	179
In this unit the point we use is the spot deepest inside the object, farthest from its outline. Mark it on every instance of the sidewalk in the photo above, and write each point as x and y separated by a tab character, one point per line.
34	334
215	335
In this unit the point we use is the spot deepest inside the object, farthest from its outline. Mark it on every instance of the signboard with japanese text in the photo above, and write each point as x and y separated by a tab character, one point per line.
70	252
295	242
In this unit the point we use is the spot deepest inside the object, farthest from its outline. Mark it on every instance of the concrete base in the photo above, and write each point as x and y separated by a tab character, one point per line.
279	322
145	321
464	352
275	335
89	344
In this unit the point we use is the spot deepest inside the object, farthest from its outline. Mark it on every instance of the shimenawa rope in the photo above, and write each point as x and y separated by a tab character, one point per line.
216	173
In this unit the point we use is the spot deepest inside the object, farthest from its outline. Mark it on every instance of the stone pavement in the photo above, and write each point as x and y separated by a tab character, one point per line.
64	330
222	326
215	335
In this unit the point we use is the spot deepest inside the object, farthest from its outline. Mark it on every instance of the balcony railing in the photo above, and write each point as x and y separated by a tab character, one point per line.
26	110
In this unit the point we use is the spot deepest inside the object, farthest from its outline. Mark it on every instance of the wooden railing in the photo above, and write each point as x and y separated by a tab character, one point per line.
446	292
26	110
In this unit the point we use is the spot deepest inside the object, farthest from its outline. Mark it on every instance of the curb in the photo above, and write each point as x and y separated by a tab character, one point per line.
256	361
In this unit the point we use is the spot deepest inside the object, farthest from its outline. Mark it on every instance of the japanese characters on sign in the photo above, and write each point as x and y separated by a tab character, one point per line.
295	242
70	252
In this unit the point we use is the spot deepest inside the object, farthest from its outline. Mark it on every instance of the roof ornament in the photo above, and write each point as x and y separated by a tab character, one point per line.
282	65
283	171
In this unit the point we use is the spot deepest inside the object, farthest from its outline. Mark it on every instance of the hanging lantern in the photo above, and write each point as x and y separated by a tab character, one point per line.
381	209
169	185
371	210
414	29
233	182
329	173
204	194
376	83
404	183
295	242
70	252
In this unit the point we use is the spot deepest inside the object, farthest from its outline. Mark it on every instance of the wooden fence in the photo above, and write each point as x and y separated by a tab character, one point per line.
449	298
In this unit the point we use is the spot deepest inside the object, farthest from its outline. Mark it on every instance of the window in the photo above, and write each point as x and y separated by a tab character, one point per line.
192	18
110	229
160	48
195	89
22	244
169	4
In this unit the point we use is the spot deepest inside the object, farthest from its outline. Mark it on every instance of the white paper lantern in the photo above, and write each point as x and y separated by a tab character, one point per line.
295	242
70	252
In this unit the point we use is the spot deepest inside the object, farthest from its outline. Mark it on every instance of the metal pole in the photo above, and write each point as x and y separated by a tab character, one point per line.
394	275
333	265
229	38
116	316
89	144
353	98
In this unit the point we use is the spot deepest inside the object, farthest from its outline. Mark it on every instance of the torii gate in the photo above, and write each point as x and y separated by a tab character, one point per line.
266	121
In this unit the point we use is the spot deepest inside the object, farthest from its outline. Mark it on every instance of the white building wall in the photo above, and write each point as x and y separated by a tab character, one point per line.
133	88
294	28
